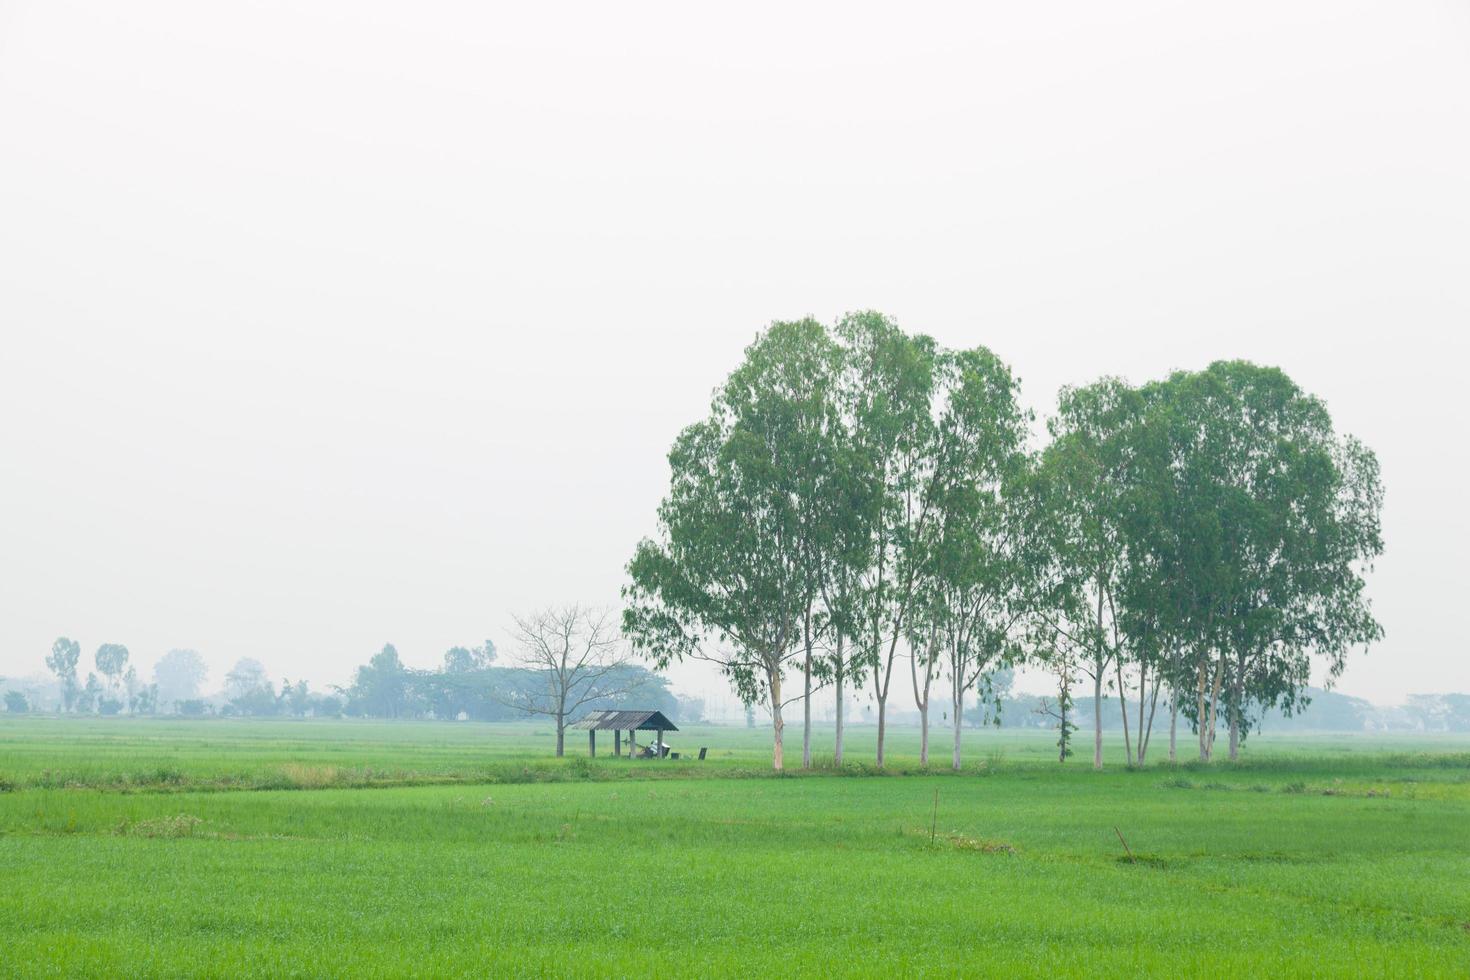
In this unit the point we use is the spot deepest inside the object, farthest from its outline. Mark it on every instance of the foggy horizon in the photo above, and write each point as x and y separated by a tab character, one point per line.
324	332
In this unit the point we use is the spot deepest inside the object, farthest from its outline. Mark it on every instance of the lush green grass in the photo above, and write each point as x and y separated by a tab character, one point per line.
1312	856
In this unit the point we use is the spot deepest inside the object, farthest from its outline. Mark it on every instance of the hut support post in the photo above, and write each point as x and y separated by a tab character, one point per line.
592	742
617	741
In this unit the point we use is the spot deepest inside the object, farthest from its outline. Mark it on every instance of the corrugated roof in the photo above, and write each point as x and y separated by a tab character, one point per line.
622	721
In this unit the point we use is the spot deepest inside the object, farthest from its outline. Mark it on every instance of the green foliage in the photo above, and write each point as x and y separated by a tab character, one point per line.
16	703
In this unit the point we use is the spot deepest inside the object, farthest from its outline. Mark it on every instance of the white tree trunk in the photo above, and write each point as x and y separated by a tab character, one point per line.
1097	682
778	761
837	748
882	726
1173	726
924	735
959	717
806	712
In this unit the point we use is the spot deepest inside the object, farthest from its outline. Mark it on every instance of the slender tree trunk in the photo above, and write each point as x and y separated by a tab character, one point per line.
840	677
924	735
1201	719
561	734
1237	690
778	761
1123	706
959	719
882	725
882	694
806	710
1207	726
1233	711
1146	732
1062	742
923	701
1097	681
1173	725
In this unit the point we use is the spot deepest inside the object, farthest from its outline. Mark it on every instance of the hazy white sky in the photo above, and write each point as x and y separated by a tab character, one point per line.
331	324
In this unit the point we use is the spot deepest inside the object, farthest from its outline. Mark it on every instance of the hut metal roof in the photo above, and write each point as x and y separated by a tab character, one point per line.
622	721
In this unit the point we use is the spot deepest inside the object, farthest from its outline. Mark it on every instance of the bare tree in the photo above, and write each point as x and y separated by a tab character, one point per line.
578	657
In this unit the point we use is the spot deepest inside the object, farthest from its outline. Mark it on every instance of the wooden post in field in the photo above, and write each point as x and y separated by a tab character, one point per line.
592	742
617	741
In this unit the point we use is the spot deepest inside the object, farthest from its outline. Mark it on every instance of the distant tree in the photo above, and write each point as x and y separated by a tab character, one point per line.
295	699
381	687
577	655
111	659
247	676
248	688
131	687
179	676
62	660
90	692
462	660
15	703
147	700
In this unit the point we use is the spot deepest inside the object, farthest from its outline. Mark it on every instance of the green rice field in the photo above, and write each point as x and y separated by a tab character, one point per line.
289	848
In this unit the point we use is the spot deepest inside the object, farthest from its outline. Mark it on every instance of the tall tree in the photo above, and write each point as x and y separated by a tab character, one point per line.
578	658
111	659
968	581
381	686
62	661
180	675
1283	523
887	396
735	573
783	396
89	695
1080	501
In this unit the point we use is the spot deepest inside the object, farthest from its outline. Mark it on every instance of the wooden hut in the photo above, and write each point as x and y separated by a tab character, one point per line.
631	722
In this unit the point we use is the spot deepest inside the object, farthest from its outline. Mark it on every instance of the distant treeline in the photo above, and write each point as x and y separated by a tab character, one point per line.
466	686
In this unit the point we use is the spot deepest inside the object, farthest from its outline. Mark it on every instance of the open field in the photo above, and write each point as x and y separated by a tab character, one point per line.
163	847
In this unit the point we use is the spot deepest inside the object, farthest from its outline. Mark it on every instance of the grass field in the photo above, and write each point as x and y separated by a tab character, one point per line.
305	848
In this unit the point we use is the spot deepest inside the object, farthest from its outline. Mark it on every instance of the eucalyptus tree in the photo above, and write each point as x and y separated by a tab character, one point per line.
932	431
1080	500
62	661
984	571
179	675
111	660
1284	523
886	394
737	571
972	572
